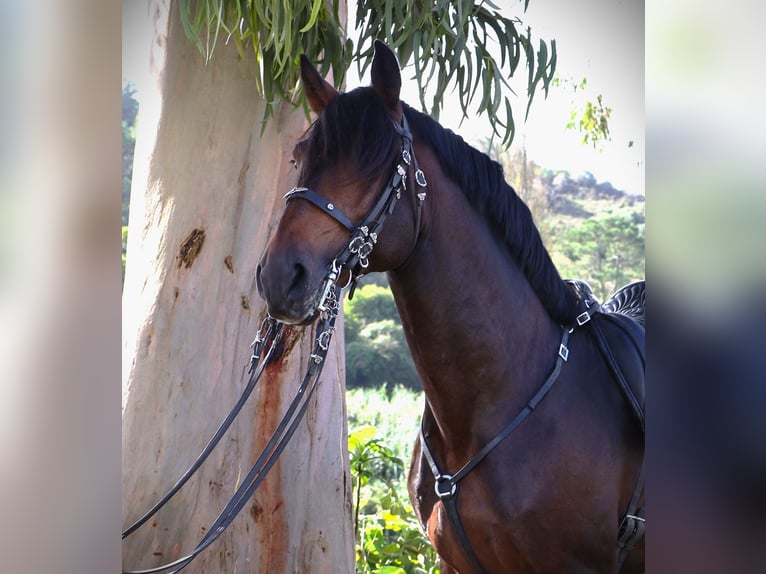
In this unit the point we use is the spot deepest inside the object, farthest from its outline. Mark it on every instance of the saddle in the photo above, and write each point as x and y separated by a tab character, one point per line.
618	327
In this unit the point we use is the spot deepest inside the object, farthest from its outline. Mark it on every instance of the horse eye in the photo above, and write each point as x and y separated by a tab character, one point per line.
294	163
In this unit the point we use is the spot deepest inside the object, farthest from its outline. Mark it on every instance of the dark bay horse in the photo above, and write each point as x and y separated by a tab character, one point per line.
491	327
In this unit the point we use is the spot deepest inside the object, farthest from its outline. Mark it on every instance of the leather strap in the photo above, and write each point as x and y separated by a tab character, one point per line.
446	485
273	449
326	206
450	506
269	331
632	525
365	234
614	368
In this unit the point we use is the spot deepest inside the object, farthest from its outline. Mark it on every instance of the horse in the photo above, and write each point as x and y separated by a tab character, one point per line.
530	455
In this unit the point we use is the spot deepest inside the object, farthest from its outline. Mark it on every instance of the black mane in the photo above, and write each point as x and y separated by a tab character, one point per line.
353	127
356	126
482	181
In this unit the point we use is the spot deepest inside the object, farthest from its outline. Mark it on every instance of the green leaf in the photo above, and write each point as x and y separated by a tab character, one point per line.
315	8
360	437
442	38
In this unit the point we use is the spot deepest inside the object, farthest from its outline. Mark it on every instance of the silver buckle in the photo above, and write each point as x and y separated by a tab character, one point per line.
293	191
446	480
563	351
583	318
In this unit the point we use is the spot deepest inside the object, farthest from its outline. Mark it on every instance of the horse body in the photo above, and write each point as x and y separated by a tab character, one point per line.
479	366
483	318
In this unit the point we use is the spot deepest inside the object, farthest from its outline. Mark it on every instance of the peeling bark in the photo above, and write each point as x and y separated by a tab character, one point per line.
206	190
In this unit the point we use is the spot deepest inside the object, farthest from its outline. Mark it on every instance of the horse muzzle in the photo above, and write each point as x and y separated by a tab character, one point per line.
290	288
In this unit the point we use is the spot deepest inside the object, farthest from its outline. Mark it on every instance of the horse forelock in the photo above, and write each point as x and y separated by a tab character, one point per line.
354	128
482	181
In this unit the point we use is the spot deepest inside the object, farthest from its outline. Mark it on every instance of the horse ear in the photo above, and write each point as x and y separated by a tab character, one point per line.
386	77
318	92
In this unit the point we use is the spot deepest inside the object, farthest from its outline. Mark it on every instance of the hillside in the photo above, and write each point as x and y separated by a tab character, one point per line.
593	231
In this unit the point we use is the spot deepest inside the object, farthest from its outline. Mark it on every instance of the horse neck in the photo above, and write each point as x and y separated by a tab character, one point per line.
479	336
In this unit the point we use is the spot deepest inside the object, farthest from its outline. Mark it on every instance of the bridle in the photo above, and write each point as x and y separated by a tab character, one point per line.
354	257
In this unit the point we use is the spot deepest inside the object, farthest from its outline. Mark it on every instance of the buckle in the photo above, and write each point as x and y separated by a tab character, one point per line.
583	318
445	479
563	351
631	530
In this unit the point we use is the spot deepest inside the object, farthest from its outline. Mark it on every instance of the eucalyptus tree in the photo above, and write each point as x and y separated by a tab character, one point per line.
218	120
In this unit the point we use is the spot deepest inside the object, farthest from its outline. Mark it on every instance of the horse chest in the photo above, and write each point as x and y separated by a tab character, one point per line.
519	528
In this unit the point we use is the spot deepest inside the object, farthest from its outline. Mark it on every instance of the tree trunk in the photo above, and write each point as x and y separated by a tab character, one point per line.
206	194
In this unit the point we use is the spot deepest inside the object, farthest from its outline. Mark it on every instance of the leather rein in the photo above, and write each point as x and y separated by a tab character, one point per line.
269	333
353	257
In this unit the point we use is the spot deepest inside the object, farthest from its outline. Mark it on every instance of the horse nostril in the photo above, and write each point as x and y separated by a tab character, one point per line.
258	282
300	279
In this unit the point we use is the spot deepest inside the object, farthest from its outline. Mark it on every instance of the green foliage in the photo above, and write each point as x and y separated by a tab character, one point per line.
593	231
277	32
376	350
389	538
129	114
590	118
395	415
124	249
593	122
451	44
609	251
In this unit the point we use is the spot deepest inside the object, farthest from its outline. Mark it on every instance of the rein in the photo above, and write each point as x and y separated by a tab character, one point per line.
279	438
354	257
269	330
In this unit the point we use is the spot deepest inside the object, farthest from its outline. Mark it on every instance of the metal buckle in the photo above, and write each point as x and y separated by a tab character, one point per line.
323	340
631	529
563	351
583	318
445	479
293	191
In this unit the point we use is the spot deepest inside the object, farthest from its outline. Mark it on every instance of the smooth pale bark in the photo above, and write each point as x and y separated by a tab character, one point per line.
188	321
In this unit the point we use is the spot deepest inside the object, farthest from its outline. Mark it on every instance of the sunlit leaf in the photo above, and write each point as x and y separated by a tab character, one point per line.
360	436
441	39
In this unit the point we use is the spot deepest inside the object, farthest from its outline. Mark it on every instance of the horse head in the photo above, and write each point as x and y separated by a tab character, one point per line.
352	166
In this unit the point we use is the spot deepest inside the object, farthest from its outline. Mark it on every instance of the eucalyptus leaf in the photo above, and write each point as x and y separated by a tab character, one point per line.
453	44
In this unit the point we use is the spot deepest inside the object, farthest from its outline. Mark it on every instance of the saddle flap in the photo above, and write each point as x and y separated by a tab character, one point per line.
618	329
621	341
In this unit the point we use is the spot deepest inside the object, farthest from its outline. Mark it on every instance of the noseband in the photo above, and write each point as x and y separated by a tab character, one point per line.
355	255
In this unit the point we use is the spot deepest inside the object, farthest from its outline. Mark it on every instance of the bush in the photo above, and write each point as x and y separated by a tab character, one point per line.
376	350
389	539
